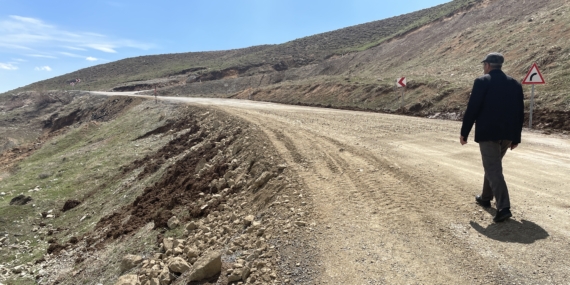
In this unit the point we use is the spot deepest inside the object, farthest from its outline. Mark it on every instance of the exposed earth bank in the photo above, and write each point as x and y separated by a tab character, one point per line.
206	186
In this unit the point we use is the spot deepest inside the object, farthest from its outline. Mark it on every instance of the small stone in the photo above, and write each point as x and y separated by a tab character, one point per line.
247	221
130	279
245	273
173	222
177	251
178	265
191	226
178	243
300	223
18	269
130	261
191	252
235	276
168	244
164	276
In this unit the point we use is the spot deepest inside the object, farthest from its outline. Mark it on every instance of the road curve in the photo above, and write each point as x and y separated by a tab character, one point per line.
394	197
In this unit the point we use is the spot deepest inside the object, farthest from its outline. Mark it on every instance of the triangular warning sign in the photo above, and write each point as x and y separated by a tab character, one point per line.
534	76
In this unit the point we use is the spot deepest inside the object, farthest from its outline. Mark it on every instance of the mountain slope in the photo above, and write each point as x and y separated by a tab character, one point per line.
440	60
301	51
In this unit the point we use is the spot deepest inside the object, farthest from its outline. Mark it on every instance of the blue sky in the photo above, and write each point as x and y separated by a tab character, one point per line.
44	39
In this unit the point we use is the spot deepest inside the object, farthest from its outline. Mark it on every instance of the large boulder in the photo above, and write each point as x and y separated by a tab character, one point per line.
207	266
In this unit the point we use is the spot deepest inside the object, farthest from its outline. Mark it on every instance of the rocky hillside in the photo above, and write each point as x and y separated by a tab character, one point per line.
181	194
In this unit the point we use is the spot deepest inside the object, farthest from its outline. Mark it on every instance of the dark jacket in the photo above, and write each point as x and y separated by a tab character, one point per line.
496	106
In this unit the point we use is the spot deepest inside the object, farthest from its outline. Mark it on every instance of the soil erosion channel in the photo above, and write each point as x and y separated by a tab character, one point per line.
394	197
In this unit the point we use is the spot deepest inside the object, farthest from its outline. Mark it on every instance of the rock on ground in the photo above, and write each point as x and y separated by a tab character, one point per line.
130	261
130	279
207	266
178	265
173	222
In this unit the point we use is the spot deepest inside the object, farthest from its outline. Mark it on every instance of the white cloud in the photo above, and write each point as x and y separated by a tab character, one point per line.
43	68
103	48
27	20
70	54
41	55
23	33
74	48
12	46
90	58
8	66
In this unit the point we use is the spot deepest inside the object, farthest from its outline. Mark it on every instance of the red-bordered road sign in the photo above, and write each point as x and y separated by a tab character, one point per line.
534	76
401	82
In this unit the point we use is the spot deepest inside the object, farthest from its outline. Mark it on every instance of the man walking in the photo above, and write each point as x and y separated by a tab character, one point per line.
496	106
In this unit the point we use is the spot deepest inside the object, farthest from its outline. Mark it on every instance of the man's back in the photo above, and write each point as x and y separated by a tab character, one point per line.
496	106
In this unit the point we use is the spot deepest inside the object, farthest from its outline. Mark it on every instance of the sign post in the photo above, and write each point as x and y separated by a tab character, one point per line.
401	82
155	98
533	77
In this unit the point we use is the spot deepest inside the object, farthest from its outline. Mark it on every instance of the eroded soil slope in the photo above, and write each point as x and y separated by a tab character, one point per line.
179	181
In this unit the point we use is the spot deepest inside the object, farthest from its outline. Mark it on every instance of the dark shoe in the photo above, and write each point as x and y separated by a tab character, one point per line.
482	202
502	215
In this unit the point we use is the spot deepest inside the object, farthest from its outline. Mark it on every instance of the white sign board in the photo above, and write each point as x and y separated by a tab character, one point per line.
401	82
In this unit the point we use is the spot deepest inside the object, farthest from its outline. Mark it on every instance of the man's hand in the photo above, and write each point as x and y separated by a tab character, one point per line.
462	140
514	145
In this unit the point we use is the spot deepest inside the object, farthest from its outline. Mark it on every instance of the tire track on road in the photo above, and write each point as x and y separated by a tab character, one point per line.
360	197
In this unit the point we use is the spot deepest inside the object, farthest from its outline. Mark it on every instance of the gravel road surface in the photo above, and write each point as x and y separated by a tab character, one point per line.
394	197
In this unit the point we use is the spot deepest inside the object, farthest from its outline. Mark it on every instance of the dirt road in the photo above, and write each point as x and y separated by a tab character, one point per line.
394	198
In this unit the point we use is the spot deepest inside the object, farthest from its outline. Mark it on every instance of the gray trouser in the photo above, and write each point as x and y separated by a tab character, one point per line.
492	153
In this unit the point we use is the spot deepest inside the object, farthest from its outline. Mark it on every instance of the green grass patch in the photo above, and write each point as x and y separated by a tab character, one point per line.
78	165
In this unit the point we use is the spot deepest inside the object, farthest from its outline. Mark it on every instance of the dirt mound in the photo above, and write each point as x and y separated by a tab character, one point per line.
20	200
153	162
550	119
110	109
184	184
70	204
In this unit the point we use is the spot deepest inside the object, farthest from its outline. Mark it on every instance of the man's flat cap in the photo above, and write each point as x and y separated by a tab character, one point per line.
494	57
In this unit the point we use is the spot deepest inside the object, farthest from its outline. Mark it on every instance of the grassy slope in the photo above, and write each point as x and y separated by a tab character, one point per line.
304	51
79	164
441	61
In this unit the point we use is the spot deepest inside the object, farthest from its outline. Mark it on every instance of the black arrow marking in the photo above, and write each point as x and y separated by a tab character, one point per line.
532	75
